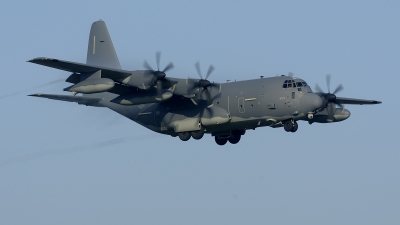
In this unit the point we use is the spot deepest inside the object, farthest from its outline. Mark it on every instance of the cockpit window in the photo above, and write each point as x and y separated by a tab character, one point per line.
293	84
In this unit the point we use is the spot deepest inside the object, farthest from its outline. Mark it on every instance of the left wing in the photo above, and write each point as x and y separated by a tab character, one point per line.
353	101
114	74
82	100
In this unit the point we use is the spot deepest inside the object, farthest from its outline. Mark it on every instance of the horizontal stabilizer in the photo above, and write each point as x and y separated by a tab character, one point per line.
114	74
82	100
353	101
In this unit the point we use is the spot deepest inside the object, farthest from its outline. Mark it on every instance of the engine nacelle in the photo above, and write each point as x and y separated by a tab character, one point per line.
143	97
91	86
140	79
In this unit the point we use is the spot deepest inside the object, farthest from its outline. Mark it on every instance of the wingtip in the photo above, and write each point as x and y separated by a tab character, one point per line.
35	95
36	59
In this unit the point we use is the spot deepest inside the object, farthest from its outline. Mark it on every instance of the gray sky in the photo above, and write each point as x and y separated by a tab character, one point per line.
62	163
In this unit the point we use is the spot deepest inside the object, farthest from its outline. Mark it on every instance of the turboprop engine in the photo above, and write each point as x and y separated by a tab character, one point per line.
91	86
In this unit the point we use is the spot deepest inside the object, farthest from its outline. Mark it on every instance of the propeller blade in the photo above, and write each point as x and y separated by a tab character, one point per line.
318	89
216	96
159	90
191	86
168	67
209	102
210	69
340	105
197	65
328	82
331	110
158	57
147	66
216	85
338	89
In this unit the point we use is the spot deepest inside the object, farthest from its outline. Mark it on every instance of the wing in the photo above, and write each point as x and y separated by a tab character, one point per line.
126	82
82	100
354	101
114	74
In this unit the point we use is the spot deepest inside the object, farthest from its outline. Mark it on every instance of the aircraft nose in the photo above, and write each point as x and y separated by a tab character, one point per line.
311	101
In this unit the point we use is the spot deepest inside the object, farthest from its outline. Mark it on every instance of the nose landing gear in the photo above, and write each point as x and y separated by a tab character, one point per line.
290	126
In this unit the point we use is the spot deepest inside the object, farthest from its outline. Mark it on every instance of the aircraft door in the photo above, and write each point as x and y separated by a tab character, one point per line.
294	101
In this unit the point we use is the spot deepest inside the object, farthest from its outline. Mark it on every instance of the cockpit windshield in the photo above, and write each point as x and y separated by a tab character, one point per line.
293	84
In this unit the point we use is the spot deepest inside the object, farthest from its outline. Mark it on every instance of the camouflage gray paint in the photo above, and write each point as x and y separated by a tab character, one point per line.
192	107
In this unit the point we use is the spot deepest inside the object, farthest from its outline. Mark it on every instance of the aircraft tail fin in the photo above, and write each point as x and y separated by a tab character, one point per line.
101	50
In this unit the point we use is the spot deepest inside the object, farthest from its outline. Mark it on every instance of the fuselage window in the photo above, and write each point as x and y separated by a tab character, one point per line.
304	84
299	84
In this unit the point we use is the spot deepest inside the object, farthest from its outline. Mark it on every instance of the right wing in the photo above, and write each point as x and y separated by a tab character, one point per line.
82	100
354	101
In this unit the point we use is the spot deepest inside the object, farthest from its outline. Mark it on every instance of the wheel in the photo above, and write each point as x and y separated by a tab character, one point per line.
288	126
234	139
184	136
295	127
220	141
197	135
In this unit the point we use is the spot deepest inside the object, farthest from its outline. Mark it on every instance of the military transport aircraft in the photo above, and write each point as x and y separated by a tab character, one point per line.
189	108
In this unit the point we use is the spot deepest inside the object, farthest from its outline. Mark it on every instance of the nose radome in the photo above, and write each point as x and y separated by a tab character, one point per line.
311	101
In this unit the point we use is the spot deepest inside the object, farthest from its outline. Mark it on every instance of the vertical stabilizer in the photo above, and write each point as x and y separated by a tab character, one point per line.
101	50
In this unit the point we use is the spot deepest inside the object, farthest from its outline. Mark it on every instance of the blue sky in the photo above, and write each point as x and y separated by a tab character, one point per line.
62	163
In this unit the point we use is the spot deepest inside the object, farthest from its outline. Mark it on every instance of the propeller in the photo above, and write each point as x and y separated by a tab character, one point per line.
205	85
330	98
158	76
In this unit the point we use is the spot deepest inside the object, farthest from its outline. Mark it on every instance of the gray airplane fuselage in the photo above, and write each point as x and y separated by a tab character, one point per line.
248	104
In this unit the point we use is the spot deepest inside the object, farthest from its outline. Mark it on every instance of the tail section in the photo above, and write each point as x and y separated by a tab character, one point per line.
101	50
